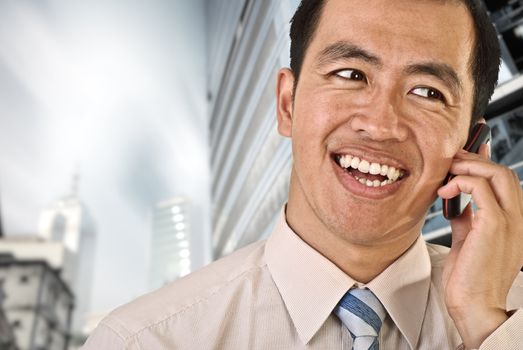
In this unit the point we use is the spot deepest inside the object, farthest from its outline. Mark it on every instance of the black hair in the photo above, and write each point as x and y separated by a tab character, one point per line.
484	58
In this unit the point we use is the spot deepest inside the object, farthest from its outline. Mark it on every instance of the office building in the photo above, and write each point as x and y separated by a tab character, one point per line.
250	163
37	303
68	223
55	254
7	337
170	241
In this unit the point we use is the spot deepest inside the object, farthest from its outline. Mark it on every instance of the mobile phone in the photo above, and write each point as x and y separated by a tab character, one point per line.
454	207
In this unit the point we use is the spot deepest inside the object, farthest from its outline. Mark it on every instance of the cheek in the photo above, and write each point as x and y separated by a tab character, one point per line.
450	147
439	150
315	116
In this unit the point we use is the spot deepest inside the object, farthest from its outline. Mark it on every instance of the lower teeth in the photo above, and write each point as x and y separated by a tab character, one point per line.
375	183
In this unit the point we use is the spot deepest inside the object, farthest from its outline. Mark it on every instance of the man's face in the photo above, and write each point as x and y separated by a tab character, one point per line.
387	82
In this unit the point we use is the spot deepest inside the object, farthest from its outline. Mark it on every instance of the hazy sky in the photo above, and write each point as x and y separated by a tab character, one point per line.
115	89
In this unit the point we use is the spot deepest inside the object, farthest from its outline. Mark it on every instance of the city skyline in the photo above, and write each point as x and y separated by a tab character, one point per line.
109	90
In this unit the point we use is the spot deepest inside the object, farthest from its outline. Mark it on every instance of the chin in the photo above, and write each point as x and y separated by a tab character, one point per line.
372	224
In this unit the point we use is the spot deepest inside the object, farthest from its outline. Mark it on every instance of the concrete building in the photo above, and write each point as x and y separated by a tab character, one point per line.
250	163
170	241
18	254
67	223
37	303
56	254
7	337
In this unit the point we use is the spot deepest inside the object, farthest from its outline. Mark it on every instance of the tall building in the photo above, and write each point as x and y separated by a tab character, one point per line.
170	241
68	222
250	163
37	304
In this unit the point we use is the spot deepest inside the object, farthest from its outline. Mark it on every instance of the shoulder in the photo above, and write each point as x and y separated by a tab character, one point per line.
189	292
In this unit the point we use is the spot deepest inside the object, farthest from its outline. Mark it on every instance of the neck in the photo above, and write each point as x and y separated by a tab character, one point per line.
362	261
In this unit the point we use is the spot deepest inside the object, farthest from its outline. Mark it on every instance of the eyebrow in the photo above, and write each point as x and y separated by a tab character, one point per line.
441	71
345	50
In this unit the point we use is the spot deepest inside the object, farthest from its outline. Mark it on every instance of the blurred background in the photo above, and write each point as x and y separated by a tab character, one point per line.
138	143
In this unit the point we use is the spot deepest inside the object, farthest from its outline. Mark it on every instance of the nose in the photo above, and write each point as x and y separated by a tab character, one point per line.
380	120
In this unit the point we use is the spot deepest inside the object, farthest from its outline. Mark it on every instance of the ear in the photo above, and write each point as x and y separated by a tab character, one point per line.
284	101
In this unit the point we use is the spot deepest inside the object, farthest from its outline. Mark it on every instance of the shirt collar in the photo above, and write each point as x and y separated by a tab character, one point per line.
311	285
403	289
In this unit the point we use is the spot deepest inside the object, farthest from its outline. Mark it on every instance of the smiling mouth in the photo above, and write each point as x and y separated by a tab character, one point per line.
370	174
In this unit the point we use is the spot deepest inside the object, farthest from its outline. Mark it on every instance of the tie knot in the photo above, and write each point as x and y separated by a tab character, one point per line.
362	313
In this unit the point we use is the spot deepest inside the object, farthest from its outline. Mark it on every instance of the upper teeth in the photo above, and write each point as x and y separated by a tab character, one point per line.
366	167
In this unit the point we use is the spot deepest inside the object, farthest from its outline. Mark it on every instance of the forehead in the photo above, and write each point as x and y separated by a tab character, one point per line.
399	30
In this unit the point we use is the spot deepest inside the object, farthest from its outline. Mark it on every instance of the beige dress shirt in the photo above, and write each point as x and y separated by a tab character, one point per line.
280	294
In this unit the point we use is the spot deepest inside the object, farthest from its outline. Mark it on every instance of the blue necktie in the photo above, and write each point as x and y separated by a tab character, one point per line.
362	313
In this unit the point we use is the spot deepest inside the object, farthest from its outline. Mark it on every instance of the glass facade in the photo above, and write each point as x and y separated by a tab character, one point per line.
250	162
170	243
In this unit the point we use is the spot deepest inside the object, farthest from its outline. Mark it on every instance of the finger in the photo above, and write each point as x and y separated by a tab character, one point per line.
504	182
462	154
461	226
478	187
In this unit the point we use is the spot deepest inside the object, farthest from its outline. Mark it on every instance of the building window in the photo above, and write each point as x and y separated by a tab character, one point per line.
24	279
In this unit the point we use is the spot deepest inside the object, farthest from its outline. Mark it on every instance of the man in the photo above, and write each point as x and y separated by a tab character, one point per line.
378	104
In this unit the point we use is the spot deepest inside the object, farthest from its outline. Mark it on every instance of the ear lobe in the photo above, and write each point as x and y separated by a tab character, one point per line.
284	90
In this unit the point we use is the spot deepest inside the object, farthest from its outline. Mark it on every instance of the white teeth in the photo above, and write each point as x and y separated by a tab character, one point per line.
395	175
384	170
391	172
355	162
343	162
375	169
375	183
364	166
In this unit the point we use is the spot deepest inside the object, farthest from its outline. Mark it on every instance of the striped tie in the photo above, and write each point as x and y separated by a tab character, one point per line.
362	313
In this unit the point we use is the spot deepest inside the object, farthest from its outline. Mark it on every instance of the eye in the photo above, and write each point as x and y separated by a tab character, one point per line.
429	93
351	74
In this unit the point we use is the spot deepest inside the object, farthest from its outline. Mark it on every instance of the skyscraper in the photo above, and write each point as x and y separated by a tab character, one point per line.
250	161
68	221
170	241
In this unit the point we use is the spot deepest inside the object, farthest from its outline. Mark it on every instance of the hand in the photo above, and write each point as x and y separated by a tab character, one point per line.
487	246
